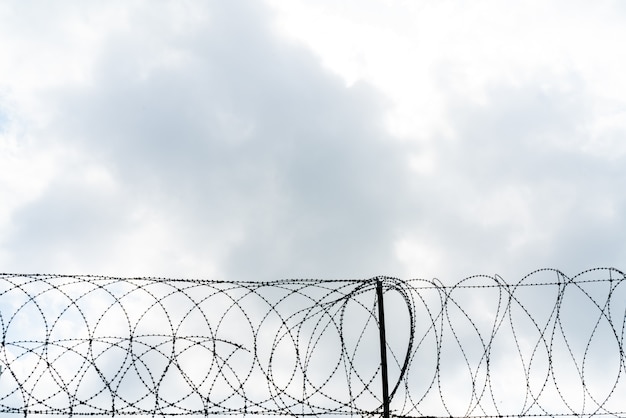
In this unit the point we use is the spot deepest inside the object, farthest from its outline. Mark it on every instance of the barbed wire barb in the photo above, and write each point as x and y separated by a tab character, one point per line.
546	345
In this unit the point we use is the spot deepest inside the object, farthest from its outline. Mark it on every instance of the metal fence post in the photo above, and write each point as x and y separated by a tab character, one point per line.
383	346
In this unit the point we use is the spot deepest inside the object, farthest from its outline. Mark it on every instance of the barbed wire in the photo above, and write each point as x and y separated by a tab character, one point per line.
547	345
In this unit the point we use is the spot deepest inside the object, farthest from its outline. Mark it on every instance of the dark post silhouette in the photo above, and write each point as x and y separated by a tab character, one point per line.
383	346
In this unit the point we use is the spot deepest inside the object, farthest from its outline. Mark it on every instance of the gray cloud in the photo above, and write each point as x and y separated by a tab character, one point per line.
250	146
518	188
220	141
68	226
216	140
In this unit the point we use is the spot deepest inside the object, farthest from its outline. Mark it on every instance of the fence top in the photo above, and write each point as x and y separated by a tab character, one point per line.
546	345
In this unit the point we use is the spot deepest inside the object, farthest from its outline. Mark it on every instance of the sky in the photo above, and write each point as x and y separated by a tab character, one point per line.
261	140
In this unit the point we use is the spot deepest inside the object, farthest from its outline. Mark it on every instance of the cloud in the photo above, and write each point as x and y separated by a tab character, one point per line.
196	140
200	140
516	186
250	153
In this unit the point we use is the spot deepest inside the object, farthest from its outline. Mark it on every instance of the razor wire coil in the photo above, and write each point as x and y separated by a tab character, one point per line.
547	345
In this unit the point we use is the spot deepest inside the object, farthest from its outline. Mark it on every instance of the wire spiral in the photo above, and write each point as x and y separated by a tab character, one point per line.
548	345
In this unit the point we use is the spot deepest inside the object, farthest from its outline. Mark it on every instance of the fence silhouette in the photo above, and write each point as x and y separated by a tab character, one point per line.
547	345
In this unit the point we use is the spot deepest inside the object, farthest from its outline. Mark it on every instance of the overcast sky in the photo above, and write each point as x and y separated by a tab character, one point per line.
251	140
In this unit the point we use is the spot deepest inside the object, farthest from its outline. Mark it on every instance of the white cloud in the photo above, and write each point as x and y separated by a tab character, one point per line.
243	148
312	139
230	140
